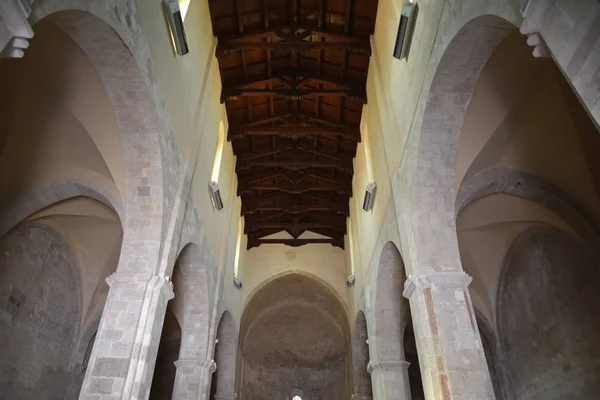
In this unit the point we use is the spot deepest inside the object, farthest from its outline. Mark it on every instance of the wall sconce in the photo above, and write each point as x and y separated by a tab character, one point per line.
215	195
175	22
408	16
370	196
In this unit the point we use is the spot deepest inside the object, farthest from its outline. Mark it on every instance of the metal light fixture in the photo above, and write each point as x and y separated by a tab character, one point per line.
215	195
408	16
175	22
370	196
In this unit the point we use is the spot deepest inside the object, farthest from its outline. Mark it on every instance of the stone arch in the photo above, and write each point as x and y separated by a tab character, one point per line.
360	359
139	130
274	277
306	329
19	208
433	199
223	381
163	381
534	188
549	279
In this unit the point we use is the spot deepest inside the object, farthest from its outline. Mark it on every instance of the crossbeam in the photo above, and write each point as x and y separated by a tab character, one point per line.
297	188
355	45
293	94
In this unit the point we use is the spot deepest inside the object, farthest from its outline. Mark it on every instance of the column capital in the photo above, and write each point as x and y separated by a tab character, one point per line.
437	280
386	365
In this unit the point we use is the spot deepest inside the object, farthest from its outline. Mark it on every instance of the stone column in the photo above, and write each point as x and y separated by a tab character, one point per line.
225	396
192	379
451	356
127	340
390	379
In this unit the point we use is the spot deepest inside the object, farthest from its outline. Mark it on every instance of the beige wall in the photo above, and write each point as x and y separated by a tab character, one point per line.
321	261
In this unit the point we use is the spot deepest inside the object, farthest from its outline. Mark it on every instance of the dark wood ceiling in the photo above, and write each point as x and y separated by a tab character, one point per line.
294	75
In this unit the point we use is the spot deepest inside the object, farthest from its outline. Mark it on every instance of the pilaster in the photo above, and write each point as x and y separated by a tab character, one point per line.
450	352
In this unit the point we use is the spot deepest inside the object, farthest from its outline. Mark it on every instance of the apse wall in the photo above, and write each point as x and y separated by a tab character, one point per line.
294	335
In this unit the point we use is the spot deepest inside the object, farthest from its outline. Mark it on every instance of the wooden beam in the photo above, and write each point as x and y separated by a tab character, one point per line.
361	46
293	94
298	164
299	226
295	132
296	188
289	77
252	206
296	242
288	30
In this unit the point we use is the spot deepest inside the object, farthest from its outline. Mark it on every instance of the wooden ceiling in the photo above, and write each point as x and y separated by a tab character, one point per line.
294	76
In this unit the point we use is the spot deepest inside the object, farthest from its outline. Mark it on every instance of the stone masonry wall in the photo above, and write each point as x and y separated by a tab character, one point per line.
39	316
548	323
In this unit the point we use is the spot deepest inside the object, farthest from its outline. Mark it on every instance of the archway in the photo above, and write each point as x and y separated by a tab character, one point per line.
191	306
223	381
528	206
391	370
360	359
163	381
61	202
294	335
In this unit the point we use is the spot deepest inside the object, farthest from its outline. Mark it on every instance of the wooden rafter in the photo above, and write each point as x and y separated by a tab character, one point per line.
293	77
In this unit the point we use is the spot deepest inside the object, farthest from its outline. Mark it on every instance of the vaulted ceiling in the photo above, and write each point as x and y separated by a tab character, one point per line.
294	75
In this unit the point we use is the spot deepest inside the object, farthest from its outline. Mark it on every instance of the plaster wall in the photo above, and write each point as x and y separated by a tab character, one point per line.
322	261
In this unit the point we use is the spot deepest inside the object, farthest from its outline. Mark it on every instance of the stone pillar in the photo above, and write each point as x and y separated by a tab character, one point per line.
450	350
225	396
192	378
127	340
390	379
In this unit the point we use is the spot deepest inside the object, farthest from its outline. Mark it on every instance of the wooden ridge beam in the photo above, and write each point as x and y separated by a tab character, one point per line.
297	226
